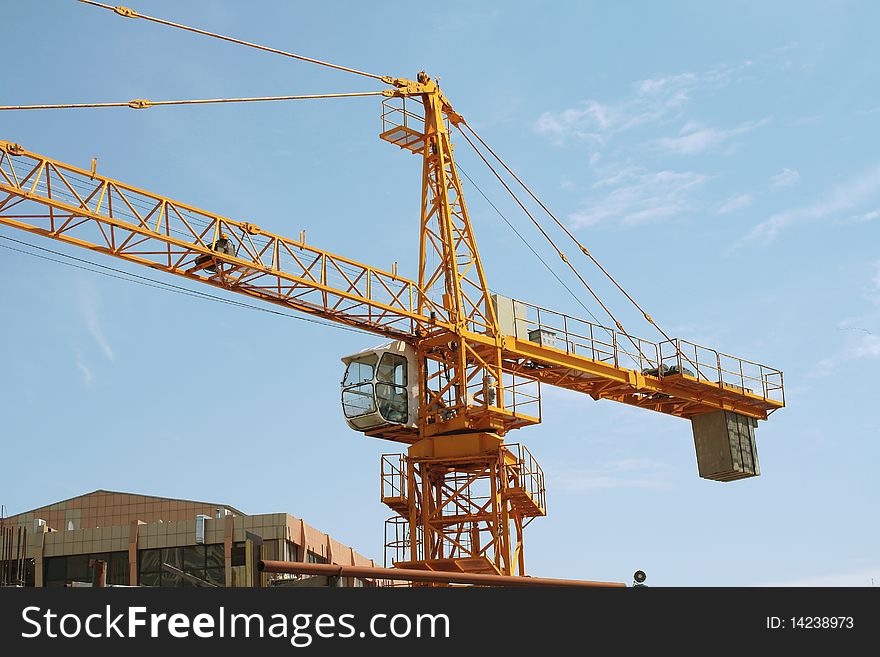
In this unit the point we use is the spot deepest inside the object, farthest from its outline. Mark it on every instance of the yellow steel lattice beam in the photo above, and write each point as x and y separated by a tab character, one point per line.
79	207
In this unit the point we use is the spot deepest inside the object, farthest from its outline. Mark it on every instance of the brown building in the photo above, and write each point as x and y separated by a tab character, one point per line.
157	541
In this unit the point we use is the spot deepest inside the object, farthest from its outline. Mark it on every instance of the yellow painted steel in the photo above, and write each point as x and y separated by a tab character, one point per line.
463	496
92	211
108	216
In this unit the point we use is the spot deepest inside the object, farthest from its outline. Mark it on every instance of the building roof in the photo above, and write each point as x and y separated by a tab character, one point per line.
114	492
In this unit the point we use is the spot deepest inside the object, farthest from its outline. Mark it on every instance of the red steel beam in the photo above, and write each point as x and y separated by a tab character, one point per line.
436	577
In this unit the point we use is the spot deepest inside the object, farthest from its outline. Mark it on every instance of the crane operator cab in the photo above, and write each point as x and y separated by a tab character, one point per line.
380	387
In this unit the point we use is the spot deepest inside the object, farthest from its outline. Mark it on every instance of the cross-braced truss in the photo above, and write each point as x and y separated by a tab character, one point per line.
462	512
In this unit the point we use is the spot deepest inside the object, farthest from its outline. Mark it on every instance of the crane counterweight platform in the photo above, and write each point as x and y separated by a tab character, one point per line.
462	367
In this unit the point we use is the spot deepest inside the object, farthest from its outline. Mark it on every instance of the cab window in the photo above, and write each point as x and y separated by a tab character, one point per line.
360	370
392	369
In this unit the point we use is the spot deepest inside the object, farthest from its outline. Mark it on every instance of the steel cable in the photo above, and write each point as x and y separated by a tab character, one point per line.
129	13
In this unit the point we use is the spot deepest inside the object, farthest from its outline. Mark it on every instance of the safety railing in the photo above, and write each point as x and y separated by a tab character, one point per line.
673	357
522	396
580	337
711	366
393	477
395	114
402	116
398	542
527	475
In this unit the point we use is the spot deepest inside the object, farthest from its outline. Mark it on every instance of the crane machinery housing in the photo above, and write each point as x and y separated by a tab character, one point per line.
462	367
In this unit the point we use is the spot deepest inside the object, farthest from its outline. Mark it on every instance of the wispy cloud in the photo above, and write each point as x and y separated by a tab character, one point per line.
805	120
785	178
735	203
865	217
867	347
596	122
652	109
88	304
843	198
85	370
638	195
625	473
862	343
664	85
872	110
695	138
657	100
97	333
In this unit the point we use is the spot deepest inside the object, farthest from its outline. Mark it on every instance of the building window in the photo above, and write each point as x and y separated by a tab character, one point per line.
61	571
293	552
12	573
206	562
239	555
312	557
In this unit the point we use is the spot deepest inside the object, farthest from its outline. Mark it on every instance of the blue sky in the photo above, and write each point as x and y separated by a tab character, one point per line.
721	160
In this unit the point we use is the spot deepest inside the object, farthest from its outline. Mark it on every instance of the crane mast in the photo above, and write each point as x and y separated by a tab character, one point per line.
461	494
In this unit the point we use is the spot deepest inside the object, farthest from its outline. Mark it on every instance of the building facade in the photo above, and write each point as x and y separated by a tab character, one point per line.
144	540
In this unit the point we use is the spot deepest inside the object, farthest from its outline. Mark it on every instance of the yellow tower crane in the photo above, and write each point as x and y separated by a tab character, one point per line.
463	367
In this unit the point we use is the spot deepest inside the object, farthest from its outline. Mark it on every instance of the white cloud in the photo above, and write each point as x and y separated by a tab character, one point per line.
637	195
785	178
806	120
654	86
866	217
587	121
868	346
823	368
846	197
596	122
625	473
695	138
630	194
735	203
88	306
652	100
567	184
85	370
95	329
863	345
872	110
